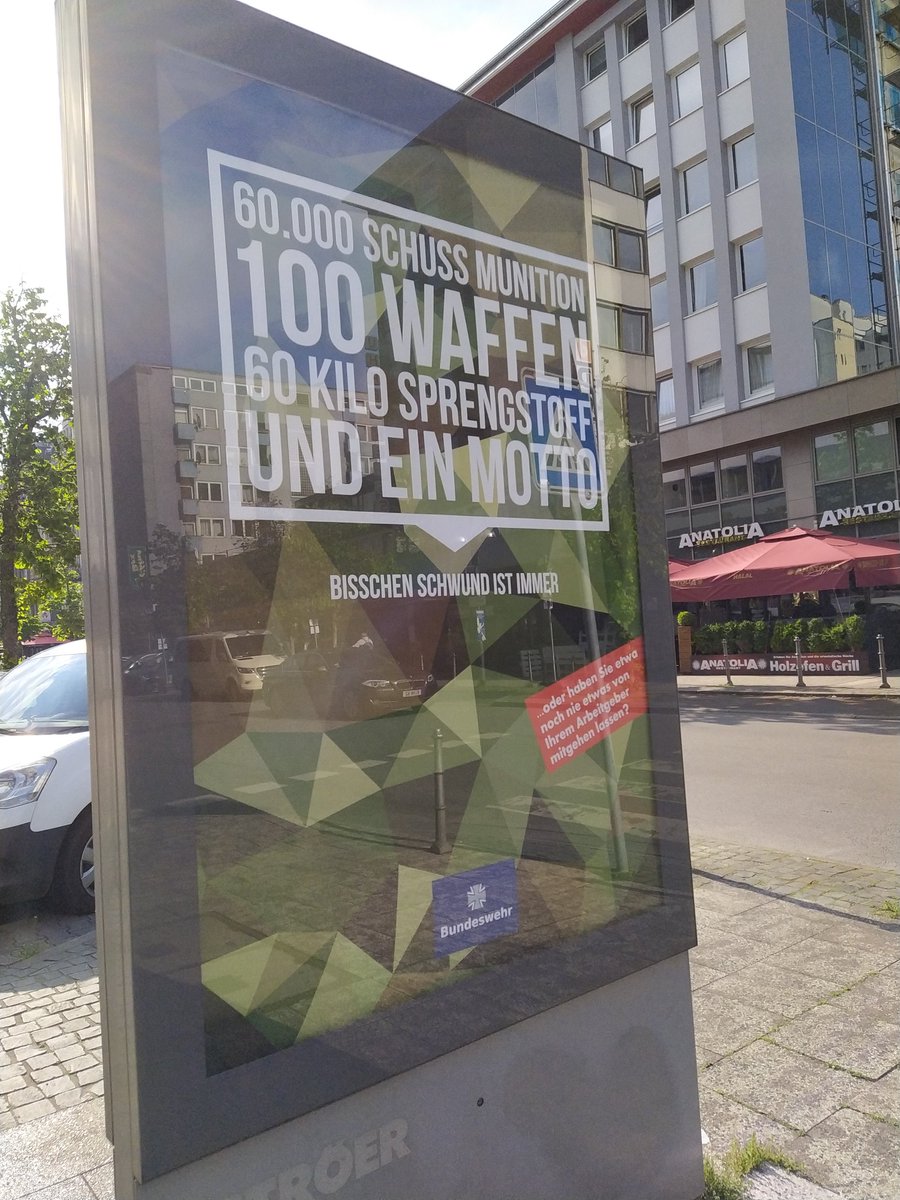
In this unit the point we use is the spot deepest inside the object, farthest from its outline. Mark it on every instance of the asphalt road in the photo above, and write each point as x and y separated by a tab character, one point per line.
808	775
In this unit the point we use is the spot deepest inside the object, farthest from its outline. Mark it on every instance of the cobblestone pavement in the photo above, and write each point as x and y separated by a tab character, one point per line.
797	1012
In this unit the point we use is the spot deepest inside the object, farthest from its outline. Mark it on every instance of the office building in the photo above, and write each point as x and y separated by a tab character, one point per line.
768	134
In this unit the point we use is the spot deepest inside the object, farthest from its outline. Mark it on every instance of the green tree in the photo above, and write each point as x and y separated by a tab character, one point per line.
38	493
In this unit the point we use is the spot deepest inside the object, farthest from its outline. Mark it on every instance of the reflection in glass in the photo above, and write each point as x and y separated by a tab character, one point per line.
769	510
710	388
832	455
734	477
674	490
703	483
767	469
872	447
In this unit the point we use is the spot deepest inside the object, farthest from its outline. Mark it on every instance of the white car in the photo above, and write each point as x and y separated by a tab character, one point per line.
46	841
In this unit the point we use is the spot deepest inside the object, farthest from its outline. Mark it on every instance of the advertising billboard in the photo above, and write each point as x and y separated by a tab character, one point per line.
406	772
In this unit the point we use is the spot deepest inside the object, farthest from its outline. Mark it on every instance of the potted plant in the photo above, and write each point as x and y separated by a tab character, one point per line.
684	624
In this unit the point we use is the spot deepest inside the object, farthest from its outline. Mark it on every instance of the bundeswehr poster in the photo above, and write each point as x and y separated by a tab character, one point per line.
403	758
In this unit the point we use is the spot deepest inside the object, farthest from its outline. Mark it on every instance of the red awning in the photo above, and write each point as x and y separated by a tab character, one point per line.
791	560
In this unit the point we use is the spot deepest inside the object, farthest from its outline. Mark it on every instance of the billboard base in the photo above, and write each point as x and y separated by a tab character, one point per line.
597	1097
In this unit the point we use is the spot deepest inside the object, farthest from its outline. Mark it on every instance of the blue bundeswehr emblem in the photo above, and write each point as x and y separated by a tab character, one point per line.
475	906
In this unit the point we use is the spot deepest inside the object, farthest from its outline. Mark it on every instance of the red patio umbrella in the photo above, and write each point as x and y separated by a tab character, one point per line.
791	560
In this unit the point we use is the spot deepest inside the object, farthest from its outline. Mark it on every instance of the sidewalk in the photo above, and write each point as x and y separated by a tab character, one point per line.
776	685
797	1011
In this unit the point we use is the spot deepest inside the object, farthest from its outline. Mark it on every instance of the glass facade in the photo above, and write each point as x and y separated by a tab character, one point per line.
719	496
836	116
535	97
857	471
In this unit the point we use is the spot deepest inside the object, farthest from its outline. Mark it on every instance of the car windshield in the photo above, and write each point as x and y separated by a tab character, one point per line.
251	645
44	694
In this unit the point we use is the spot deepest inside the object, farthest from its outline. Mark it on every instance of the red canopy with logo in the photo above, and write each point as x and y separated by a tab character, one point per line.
791	560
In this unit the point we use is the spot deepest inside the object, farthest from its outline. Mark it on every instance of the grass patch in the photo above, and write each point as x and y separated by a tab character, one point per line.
26	950
726	1181
890	908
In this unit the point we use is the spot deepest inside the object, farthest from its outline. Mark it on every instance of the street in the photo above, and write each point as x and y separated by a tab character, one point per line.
809	775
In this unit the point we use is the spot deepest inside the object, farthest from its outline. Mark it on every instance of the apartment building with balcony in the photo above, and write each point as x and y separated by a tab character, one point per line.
767	135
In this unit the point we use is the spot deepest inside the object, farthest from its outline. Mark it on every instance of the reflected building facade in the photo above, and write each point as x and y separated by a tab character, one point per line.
768	134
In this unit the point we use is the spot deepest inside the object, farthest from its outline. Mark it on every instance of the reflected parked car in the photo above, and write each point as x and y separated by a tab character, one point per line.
46	838
361	684
224	665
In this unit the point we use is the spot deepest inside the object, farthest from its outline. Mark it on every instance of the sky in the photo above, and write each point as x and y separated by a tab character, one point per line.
445	41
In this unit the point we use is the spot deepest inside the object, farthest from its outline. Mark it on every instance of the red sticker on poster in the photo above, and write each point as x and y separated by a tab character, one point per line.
577	712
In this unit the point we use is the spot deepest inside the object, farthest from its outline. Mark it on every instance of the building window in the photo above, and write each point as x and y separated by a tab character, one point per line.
186	491
872	447
204	418
735	61
759	369
742	158
832	455
617	247
734	477
643	119
636	33
188	528
244	529
695	187
211	527
534	97
674	490
209	491
751	264
653	205
182	415
710	387
687	91
665	401
207	456
702	288
677	8
595	61
602	137
767	476
659	303
703	483
623	329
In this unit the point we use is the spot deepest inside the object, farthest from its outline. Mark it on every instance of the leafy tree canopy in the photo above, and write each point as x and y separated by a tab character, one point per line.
38	492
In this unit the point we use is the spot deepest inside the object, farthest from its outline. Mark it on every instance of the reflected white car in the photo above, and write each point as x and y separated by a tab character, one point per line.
46	840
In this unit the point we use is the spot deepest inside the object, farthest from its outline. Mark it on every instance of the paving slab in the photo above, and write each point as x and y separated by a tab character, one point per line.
831	1035
728	1026
789	1087
779	991
839	963
51	1152
725	1121
855	1153
879	1098
772	1183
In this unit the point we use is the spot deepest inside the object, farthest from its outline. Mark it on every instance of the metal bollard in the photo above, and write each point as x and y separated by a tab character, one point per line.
729	681
882	661
801	682
440	845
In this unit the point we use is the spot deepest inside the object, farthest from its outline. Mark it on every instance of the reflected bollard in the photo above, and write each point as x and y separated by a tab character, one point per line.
882	661
440	845
801	682
728	678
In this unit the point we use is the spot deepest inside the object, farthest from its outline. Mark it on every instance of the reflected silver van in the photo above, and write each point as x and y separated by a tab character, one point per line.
224	666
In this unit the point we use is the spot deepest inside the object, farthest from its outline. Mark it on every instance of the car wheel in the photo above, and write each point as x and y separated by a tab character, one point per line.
73	881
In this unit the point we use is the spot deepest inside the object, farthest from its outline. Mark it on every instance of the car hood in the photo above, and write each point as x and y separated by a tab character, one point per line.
260	660
19	749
